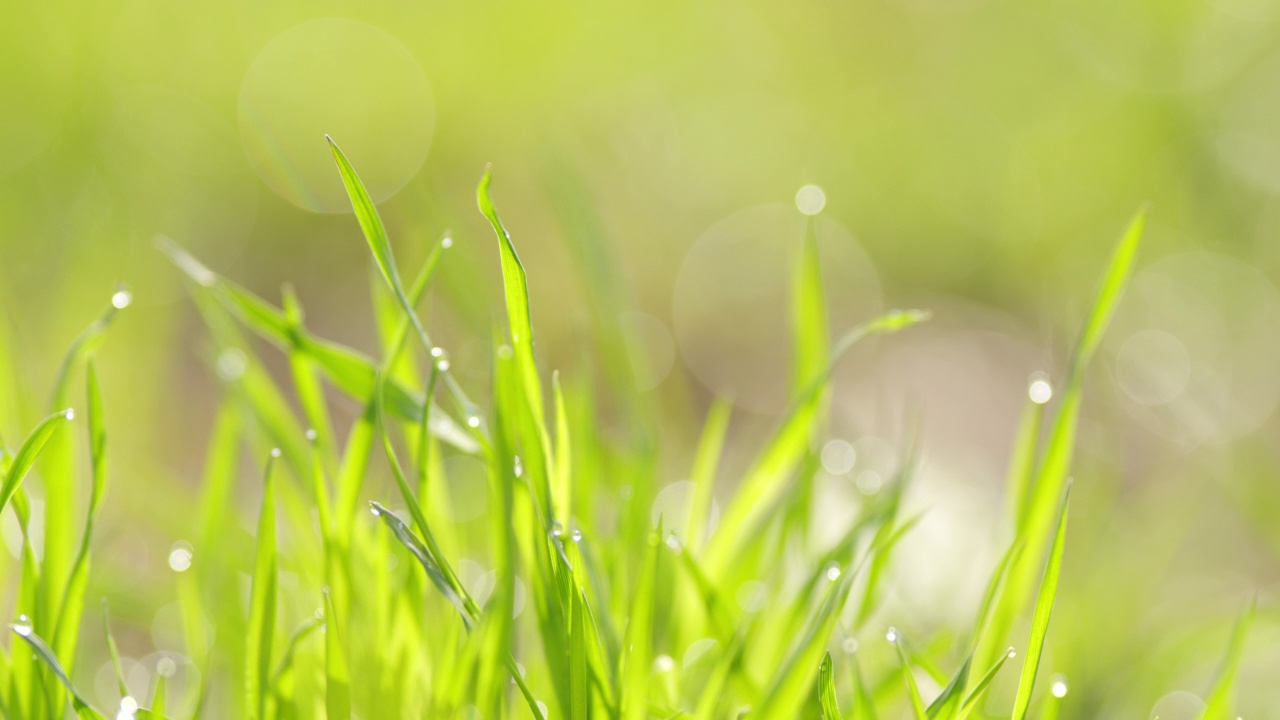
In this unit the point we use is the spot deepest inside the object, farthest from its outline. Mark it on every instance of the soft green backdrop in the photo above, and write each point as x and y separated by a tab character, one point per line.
977	157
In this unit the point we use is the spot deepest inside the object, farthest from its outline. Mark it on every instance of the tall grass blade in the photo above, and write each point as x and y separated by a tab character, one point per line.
29	451
1218	701
262	603
82	707
1040	620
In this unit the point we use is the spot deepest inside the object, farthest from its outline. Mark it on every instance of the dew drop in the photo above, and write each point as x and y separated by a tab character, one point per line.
166	667
556	528
180	557
891	635
1059	686
231	364
473	421
833	572
442	365
311	435
1011	653
673	542
437	352
69	414
22	626
1040	391
447	242
576	535
128	704
810	199
518	469
664	663
376	512
121	299
275	452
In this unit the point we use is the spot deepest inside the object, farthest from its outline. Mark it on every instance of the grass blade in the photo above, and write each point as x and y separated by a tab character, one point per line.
827	690
262	603
1040	620
29	451
82	707
1218	701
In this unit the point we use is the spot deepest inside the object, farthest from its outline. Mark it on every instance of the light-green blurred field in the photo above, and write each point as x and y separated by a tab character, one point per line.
978	158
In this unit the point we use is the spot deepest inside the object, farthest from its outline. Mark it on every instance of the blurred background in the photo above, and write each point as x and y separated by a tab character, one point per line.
975	157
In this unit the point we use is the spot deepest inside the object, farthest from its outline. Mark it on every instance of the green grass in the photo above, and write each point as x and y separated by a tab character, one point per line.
584	614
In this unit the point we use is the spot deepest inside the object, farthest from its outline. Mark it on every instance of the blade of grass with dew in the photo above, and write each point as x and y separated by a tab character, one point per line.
947	704
58	471
82	707
827	690
307	387
515	286
67	630
787	691
349	371
262	603
1218	701
1046	487
768	474
908	677
375	235
29	451
1040	620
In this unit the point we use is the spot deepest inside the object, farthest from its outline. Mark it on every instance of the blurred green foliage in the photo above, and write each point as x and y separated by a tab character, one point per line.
976	156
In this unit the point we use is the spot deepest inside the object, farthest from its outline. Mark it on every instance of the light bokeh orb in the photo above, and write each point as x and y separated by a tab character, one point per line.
346	79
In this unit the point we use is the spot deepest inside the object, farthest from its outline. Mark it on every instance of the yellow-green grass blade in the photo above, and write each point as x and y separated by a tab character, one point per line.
1040	619
638	642
516	290
562	474
827	690
789	688
113	651
980	689
809	315
350	371
67	631
262	603
58	470
375	234
29	451
908	677
767	478
703	476
947	704
337	699
82	707
1218	702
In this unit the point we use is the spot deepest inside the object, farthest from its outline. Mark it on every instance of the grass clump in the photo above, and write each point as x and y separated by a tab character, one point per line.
581	615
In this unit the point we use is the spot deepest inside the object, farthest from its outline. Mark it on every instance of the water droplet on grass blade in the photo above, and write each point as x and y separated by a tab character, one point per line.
810	199
891	635
69	414
473	421
180	557
1059	686
833	572
22	625
1040	391
121	299
576	535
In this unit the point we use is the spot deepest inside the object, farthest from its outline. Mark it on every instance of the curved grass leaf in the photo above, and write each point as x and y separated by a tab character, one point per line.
827	690
27	454
82	707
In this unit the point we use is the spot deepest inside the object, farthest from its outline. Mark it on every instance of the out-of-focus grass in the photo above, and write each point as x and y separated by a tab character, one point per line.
584	611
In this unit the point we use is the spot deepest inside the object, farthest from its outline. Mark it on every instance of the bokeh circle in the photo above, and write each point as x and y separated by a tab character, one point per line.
346	79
